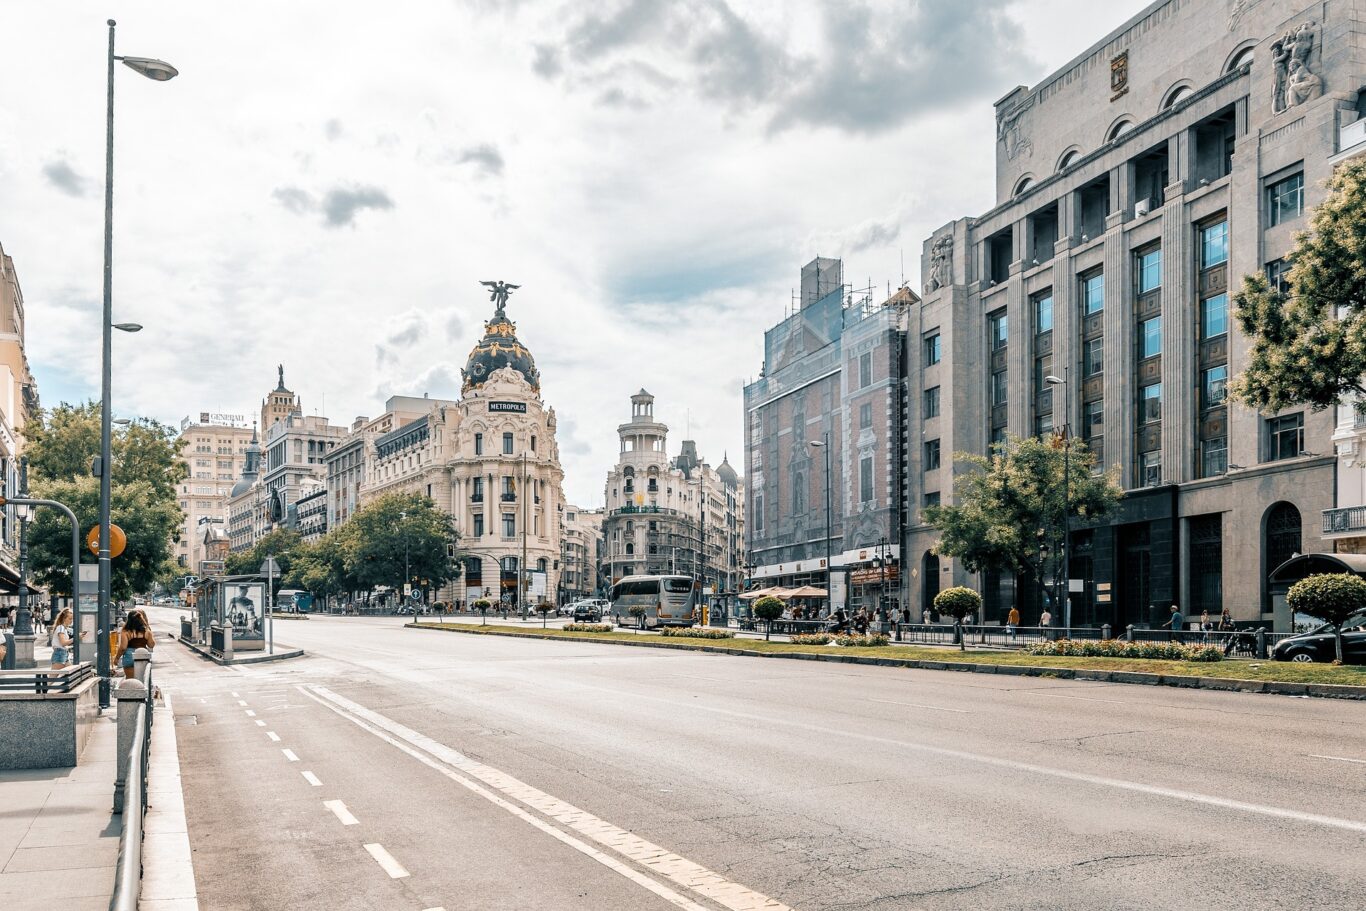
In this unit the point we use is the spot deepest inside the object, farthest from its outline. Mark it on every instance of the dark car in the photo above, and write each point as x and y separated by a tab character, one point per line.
1318	644
587	612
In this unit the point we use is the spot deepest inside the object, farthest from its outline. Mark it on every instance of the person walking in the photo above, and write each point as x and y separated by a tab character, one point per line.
1176	623
1012	621
136	634
1045	621
925	616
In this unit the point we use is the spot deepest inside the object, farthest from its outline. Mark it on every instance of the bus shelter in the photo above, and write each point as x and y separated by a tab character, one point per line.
238	602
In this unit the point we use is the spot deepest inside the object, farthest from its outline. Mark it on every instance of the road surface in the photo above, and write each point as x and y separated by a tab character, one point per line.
404	769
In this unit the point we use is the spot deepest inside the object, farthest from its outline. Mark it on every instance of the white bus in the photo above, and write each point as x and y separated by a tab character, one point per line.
668	600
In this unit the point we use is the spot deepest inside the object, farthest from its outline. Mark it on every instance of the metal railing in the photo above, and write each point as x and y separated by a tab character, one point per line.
34	680
1348	518
128	869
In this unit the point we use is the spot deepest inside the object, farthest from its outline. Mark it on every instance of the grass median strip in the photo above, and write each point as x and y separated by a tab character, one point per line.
1265	671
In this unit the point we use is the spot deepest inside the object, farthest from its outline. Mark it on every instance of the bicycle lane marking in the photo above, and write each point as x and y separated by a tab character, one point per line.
680	870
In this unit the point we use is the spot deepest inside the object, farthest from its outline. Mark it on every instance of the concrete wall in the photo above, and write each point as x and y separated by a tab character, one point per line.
46	731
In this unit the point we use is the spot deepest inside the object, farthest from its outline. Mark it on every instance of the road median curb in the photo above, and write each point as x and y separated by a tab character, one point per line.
1227	684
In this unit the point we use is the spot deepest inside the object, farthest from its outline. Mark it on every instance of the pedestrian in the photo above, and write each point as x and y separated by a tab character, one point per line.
136	634
925	616
62	640
1226	621
1177	622
39	627
861	621
1012	621
1045	621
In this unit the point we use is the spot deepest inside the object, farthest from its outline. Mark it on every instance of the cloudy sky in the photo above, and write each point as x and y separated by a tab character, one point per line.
326	183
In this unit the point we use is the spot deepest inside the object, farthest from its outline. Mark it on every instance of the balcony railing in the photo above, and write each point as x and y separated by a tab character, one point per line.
1345	520
509	498
476	498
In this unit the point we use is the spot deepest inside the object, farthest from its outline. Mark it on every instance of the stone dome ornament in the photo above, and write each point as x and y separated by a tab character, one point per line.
500	346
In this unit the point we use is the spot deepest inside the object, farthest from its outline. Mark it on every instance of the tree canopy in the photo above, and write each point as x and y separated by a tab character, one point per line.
1331	597
280	543
62	445
1309	340
1012	502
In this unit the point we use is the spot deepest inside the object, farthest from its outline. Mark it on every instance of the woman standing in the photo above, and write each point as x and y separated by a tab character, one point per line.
136	633
62	640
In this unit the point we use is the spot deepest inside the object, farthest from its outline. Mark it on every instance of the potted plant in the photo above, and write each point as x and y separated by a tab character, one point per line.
768	609
482	605
544	609
958	602
638	611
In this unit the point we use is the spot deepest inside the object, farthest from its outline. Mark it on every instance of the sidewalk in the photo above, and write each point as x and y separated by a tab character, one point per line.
59	838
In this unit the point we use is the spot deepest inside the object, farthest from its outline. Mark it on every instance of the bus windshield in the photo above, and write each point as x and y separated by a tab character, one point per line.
678	586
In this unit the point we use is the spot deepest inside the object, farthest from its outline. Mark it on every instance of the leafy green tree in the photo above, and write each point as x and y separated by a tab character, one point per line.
1309	343
279	543
1331	597
401	533
320	566
150	522
768	608
1014	502
62	445
958	602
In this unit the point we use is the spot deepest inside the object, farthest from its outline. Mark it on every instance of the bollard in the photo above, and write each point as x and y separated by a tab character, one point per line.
131	696
1105	631
1261	642
142	659
1129	632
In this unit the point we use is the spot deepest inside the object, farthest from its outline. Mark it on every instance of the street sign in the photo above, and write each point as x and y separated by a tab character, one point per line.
117	540
269	567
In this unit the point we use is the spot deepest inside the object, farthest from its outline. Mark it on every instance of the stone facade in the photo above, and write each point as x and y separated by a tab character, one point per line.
214	454
1135	186
581	554
18	402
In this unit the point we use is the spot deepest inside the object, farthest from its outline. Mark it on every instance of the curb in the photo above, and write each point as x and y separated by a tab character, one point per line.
253	659
1225	684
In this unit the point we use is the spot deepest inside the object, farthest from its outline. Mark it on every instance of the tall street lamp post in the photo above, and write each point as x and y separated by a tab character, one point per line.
158	71
1066	497
824	444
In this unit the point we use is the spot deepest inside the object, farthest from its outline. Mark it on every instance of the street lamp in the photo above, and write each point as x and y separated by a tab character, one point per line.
824	444
158	71
1066	497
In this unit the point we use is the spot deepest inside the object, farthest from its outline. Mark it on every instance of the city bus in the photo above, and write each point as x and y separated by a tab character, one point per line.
668	600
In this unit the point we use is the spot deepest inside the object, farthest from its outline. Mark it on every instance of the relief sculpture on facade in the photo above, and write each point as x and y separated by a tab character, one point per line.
1295	83
1008	130
941	263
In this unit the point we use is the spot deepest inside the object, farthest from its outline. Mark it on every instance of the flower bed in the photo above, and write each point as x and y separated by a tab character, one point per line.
701	633
588	627
869	640
1118	648
812	639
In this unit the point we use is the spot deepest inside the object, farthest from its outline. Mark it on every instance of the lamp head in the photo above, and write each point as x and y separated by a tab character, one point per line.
1054	380
815	443
128	327
156	70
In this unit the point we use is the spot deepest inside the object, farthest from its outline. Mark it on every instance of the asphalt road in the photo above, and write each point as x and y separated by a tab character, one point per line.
503	773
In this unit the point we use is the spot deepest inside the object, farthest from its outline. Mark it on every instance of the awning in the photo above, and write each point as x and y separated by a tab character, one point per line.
776	592
1304	565
807	591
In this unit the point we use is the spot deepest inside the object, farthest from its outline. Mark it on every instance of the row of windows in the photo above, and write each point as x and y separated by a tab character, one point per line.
507	443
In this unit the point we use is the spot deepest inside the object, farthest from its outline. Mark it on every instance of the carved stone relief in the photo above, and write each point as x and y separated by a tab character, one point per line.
1008	130
1295	83
941	263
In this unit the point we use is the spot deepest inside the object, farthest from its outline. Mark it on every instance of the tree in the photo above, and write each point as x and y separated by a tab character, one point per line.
150	523
958	602
1309	341
62	444
1010	510
320	566
768	608
1331	597
399	538
280	543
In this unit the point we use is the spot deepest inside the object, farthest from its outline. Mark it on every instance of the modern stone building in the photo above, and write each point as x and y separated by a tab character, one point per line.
581	551
671	515
18	403
214	453
1135	186
345	464
833	373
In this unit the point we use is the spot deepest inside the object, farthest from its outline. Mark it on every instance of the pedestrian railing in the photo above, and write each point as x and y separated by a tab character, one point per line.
39	680
132	801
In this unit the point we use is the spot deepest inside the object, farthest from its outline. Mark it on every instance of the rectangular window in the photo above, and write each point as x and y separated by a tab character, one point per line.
509	525
1149	271
1150	403
1278	276
931	409
865	416
998	388
1213	245
1093	356
931	499
478	492
865	370
998	331
1043	368
1043	425
1150	468
1285	200
1093	293
997	436
478	525
1043	313
1213	386
931	455
932	350
1213	316
1150	337
509	488
1092	420
1213	457
1285	437
507	444
865	479
533	442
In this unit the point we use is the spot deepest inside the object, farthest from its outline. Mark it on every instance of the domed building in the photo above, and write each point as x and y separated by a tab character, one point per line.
490	459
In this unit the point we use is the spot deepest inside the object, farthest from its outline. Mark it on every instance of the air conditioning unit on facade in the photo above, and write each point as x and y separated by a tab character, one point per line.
1142	207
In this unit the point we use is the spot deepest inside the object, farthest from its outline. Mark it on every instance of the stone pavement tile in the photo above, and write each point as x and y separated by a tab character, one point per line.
69	837
166	904
104	852
42	889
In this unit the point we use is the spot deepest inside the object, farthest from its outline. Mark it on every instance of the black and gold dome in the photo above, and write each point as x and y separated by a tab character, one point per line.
499	348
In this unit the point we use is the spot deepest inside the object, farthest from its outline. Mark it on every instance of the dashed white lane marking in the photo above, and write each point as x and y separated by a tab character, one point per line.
250	713
918	705
658	860
234	694
289	754
386	861
434	909
241	702
339	810
260	723
311	779
275	738
1337	758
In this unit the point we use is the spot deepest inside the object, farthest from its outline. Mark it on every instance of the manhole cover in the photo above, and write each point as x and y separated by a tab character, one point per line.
186	719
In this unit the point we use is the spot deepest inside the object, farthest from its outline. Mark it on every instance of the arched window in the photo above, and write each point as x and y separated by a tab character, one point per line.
1068	159
542	565
1281	540
1123	126
1241	58
509	564
1024	184
1176	94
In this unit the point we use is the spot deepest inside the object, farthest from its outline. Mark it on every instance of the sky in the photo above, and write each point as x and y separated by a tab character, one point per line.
325	184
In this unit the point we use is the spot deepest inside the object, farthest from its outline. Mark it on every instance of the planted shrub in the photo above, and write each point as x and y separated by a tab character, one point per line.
768	609
702	633
958	602
1118	648
1331	597
588	627
868	640
813	639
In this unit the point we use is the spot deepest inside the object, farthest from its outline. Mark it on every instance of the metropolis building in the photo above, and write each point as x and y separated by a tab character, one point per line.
1135	187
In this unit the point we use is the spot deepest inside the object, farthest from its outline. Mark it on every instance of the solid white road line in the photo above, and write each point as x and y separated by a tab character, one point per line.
311	779
658	860
289	754
386	861
1337	758
339	810
917	705
250	713
275	738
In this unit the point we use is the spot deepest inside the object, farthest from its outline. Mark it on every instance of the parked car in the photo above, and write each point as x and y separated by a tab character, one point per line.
1318	644
587	611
